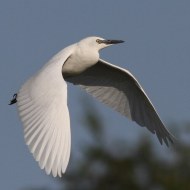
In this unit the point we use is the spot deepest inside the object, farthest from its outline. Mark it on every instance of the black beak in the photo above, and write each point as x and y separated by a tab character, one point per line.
112	41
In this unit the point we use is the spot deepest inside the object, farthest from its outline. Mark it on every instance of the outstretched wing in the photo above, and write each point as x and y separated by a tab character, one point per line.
42	106
118	88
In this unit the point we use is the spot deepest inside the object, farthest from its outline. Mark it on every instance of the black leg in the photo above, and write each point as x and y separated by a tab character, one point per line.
14	100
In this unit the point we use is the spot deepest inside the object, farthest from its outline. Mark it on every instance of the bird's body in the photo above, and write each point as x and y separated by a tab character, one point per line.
42	100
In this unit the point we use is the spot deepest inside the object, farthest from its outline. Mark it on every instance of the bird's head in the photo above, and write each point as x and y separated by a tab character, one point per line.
98	43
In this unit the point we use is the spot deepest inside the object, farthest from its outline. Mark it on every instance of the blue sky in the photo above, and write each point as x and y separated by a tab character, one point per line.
156	51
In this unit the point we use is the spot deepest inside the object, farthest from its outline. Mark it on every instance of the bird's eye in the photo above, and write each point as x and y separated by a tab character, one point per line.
98	41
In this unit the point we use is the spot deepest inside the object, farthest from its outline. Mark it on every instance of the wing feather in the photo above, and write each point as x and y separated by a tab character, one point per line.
118	88
42	106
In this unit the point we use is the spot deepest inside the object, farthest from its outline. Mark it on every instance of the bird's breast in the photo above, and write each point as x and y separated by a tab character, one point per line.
79	62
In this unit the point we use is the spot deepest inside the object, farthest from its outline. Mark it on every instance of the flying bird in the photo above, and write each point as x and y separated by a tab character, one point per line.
42	100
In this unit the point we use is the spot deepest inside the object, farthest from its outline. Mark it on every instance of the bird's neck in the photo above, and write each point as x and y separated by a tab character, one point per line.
79	61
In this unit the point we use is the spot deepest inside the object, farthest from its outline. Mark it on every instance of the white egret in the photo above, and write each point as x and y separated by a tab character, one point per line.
42	100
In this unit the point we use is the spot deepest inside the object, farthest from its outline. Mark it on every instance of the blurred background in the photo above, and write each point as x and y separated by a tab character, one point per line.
108	151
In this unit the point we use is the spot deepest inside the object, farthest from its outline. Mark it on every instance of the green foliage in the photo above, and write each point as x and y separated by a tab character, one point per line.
139	169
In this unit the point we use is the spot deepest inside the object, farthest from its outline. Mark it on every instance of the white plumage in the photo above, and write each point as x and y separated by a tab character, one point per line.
42	100
42	106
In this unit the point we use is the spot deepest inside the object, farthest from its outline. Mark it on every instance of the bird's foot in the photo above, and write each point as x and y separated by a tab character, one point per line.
14	100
